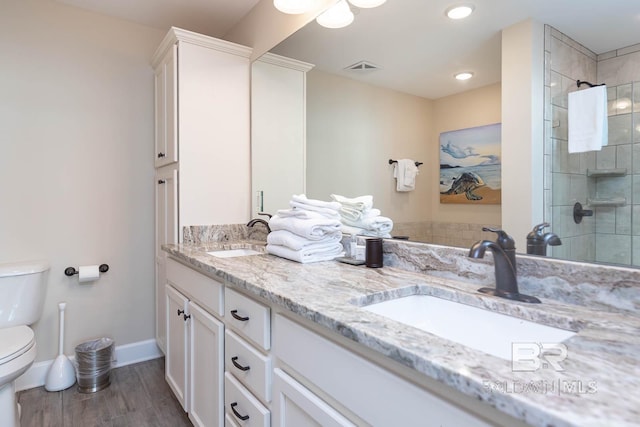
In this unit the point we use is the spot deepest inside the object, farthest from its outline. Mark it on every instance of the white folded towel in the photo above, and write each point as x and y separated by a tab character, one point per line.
587	116
314	253
326	212
302	199
357	231
355	215
380	224
360	203
307	214
312	229
296	243
405	171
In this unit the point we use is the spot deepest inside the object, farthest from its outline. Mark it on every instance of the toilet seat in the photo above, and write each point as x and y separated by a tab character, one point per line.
14	342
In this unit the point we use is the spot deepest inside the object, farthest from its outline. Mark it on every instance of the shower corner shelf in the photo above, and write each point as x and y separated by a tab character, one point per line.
597	173
607	203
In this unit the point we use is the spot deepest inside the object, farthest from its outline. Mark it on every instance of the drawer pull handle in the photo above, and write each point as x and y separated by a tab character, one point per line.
237	414
234	313
239	366
180	312
162	181
186	317
161	155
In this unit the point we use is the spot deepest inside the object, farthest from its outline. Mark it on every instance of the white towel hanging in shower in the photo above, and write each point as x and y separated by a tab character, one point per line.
587	114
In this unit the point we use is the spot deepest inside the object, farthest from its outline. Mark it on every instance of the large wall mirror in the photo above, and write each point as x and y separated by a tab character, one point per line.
383	88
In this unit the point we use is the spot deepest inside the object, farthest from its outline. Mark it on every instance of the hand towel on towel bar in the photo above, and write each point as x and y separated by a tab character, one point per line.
587	116
405	171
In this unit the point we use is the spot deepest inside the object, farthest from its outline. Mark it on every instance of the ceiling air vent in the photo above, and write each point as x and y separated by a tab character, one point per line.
362	66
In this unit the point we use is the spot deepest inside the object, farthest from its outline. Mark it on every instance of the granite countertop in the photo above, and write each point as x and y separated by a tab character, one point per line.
598	386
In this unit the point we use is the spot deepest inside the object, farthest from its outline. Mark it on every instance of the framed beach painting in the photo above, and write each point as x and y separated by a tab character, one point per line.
470	166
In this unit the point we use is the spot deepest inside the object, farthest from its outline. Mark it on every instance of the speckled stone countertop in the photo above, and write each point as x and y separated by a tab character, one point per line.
600	383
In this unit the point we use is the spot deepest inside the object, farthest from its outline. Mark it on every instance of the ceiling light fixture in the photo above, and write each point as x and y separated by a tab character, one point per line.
366	4
337	16
459	11
294	7
466	75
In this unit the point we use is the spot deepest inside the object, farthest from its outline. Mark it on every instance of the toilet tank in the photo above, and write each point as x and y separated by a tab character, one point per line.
23	287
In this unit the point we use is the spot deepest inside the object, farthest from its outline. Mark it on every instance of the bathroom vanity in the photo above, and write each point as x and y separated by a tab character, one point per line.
299	349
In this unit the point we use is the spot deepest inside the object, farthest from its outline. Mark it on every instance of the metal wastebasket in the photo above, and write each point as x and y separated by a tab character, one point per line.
93	364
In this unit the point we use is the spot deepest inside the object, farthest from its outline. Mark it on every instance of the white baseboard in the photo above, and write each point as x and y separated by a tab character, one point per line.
126	354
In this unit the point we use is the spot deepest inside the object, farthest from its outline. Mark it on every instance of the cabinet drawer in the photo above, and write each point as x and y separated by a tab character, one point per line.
371	392
229	422
207	292
240	355
240	403
248	318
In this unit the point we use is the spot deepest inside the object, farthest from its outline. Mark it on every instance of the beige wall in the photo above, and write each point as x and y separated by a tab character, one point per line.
76	114
522	130
468	109
354	128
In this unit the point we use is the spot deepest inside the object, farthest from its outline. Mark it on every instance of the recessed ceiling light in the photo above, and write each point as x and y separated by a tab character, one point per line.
466	75
459	11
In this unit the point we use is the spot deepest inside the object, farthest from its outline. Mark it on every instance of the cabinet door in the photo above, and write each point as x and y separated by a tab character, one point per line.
296	406
176	370
166	182
206	366
166	144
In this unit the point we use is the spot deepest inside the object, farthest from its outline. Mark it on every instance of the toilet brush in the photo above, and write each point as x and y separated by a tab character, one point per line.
62	373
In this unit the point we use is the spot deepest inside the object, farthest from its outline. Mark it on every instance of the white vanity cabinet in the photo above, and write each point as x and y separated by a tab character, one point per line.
365	390
248	367
195	343
278	131
202	140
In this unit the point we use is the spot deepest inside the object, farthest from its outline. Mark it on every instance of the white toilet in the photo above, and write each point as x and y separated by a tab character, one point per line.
22	293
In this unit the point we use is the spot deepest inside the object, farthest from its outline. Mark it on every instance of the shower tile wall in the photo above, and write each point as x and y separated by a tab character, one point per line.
613	232
566	61
618	240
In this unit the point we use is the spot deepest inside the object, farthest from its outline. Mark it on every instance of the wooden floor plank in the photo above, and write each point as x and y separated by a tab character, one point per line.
137	397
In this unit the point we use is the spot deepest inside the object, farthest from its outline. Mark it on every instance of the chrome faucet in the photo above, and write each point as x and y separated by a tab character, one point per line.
504	259
537	241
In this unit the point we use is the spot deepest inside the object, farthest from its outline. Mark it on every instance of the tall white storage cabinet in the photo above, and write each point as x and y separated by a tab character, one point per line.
202	149
278	131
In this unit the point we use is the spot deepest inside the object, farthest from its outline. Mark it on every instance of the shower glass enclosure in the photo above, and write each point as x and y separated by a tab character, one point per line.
606	182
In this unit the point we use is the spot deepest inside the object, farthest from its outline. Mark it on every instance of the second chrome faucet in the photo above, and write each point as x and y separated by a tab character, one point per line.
504	258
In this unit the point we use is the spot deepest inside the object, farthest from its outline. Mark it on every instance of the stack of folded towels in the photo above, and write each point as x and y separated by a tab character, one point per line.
358	217
308	232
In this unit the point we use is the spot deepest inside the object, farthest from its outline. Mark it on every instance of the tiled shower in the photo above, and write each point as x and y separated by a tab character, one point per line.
606	182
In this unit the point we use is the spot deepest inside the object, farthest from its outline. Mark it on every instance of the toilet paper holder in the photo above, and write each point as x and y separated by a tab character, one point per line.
70	271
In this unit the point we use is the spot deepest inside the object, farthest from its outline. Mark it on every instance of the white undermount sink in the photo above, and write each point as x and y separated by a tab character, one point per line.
474	327
232	253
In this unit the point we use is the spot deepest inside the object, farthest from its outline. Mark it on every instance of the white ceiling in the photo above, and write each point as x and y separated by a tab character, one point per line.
416	46
210	17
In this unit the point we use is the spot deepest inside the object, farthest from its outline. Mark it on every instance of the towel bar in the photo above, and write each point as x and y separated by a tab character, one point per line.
391	161
582	82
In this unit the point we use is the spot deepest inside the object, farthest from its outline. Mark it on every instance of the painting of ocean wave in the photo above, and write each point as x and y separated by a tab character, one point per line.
470	165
